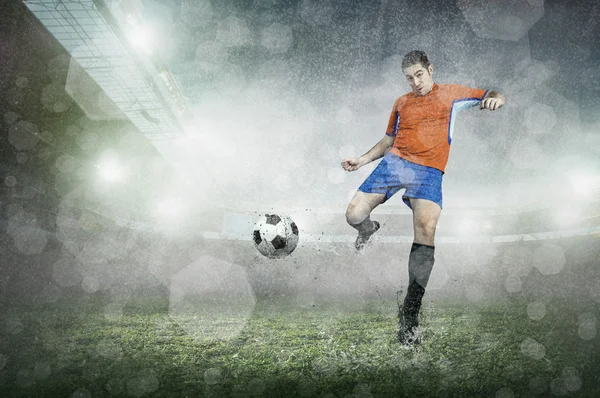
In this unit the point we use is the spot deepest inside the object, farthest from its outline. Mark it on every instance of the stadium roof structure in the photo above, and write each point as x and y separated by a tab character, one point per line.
144	90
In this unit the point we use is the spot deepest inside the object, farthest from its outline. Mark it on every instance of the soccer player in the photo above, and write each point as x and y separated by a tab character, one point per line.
415	151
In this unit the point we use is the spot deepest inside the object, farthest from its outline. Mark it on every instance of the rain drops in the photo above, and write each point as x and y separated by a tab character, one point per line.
536	310
513	284
505	392
549	259
533	349
212	376
587	326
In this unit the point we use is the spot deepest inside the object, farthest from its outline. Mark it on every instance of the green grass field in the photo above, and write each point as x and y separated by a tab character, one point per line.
71	348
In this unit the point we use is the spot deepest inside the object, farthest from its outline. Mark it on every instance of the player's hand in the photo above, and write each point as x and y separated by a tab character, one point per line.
353	164
491	103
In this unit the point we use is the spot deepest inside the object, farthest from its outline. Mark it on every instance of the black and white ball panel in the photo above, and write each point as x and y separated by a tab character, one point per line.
275	235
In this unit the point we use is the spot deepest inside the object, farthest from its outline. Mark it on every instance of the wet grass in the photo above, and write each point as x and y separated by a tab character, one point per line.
343	349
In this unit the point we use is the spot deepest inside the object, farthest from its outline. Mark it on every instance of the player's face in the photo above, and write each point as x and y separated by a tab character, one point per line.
419	78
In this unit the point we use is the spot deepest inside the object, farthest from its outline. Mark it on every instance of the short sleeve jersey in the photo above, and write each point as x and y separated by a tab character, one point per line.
423	125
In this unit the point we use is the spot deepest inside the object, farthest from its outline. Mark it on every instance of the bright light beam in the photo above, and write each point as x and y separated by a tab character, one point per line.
110	170
583	184
142	38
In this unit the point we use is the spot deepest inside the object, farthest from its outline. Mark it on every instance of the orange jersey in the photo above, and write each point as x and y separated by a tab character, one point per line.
423	125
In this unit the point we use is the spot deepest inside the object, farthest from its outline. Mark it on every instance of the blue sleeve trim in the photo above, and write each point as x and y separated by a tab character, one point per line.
450	124
396	126
459	105
467	99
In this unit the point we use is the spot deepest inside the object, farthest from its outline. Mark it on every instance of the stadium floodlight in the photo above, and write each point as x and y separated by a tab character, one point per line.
141	37
583	184
129	13
110	169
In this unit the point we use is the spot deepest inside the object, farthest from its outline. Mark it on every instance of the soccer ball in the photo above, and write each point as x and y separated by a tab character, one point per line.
275	236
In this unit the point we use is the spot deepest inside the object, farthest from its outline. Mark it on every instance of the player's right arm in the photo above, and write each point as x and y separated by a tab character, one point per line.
381	147
352	164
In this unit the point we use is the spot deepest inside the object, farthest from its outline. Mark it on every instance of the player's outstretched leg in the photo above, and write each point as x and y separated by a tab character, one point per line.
358	216
365	233
420	264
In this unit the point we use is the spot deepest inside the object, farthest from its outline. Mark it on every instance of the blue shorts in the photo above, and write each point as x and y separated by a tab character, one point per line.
394	173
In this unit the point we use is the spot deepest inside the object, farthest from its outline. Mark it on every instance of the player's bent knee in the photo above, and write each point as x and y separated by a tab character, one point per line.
353	218
355	215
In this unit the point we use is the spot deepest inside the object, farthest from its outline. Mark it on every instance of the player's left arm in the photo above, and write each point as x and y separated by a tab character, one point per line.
492	100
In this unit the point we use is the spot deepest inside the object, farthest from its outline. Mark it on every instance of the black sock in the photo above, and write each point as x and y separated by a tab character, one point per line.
365	226
420	263
412	301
